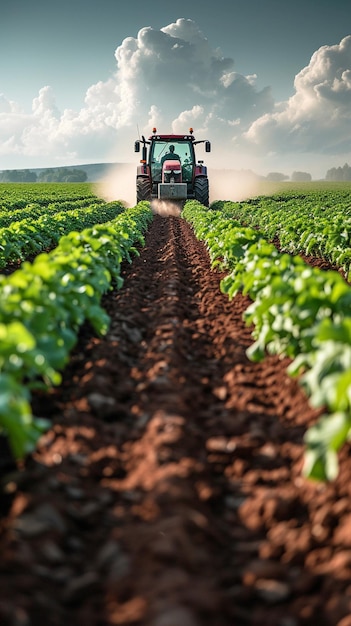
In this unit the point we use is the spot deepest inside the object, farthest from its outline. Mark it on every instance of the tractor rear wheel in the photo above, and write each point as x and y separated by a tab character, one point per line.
201	190
143	189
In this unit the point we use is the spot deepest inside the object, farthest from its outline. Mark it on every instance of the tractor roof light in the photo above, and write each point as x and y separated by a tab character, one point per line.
154	130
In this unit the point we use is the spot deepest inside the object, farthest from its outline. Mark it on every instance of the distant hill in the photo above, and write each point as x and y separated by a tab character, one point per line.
95	171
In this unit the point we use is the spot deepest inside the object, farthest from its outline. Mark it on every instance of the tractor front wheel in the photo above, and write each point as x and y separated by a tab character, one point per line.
143	189
201	190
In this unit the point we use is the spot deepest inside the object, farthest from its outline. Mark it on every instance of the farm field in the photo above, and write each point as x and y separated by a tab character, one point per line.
167	487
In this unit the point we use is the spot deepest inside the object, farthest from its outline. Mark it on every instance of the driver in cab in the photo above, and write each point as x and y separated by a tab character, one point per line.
171	155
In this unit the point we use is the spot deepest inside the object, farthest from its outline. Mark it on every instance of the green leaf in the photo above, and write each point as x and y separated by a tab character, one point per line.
16	418
323	440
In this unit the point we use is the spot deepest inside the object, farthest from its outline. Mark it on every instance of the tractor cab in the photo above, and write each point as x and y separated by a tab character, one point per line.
178	152
169	170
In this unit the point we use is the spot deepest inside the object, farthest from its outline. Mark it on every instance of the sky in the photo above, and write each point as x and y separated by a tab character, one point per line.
268	82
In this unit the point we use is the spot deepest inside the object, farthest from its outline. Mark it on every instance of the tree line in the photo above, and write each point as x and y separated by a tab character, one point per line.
52	175
339	173
335	174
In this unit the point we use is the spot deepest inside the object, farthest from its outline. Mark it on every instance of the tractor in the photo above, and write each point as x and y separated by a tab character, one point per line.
169	171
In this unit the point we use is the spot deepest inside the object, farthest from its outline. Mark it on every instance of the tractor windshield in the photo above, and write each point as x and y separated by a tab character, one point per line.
173	150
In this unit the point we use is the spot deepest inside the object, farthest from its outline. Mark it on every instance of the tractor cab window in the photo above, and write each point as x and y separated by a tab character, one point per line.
162	150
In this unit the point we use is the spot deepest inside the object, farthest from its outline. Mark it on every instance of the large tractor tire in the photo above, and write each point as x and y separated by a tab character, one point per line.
143	189
201	190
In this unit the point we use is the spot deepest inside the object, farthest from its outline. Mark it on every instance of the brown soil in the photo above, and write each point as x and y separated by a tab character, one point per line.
168	491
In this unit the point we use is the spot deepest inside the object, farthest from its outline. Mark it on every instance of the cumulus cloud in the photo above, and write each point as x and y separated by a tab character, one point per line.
167	77
176	73
317	117
172	78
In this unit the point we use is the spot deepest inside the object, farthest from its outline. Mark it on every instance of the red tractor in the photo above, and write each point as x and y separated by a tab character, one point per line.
168	169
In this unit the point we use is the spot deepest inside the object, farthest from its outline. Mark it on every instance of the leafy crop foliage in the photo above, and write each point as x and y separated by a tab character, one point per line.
31	236
43	305
313	220
297	310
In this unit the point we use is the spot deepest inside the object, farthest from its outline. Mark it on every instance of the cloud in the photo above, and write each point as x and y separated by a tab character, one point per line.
167	77
317	117
175	72
172	78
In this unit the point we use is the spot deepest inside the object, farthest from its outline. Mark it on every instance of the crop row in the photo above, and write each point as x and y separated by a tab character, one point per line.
298	311
33	211
43	305
28	236
16	196
315	223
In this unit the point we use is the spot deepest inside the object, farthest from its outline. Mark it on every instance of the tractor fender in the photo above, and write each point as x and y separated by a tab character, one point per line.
143	170
200	170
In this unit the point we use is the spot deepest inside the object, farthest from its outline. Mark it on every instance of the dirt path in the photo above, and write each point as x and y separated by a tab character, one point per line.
168	491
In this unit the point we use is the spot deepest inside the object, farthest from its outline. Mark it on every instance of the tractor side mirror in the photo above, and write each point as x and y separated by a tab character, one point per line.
137	146
207	146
